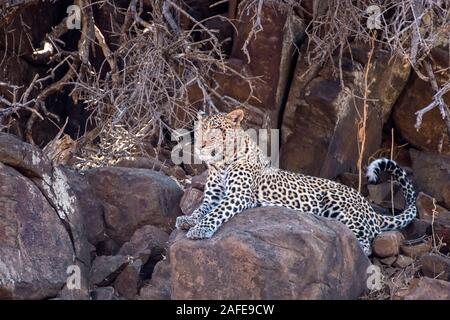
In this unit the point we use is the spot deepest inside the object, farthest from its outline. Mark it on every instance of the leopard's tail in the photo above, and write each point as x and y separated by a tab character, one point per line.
402	220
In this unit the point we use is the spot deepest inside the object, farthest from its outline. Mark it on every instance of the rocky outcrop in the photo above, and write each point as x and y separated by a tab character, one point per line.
432	135
280	30
159	286
270	253
54	223
432	175
35	248
320	122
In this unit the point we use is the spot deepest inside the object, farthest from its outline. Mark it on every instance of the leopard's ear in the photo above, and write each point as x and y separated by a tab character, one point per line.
236	116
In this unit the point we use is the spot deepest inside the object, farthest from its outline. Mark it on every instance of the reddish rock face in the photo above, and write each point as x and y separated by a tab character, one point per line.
270	53
132	198
320	122
270	253
432	175
427	207
387	244
432	135
35	248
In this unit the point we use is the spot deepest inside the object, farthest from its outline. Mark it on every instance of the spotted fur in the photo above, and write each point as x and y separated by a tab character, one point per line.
244	179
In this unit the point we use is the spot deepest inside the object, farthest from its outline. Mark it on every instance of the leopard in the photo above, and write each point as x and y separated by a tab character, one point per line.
244	178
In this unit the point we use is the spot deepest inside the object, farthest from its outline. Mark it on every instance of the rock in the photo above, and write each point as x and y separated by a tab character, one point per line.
162	165
389	260
191	200
427	289
199	182
442	232
435	266
127	282
107	247
89	207
270	253
57	185
159	286
104	293
105	269
148	244
35	248
432	175
416	229
132	198
25	158
320	121
416	250
381	195
427	207
387	244
432	135
402	261
146	241
275	43
75	294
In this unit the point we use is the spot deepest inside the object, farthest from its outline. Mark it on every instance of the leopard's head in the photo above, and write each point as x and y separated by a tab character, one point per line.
212	131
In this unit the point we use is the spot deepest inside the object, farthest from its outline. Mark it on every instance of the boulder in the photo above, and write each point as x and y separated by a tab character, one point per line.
105	269
435	266
427	289
270	253
428	209
320	121
127	282
35	248
191	200
148	244
56	184
432	135
415	250
417	229
387	244
432	175
146	241
402	261
132	198
442	233
24	157
159	286
88	206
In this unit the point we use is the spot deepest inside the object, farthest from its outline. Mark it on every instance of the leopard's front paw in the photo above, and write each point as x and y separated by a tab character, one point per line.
185	222
200	233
